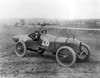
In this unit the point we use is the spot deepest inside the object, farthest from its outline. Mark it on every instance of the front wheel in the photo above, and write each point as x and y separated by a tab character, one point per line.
20	49
66	56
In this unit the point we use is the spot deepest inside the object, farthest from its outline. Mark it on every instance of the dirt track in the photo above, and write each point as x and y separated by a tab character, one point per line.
42	66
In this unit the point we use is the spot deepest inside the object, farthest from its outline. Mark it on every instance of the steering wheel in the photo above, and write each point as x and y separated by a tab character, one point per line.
35	36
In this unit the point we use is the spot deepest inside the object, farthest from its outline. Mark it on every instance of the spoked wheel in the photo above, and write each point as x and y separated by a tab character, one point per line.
84	52
20	49
66	56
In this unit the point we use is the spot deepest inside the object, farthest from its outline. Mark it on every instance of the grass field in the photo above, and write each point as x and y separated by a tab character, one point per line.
45	66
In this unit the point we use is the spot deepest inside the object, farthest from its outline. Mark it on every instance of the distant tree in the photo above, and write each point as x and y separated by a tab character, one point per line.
22	21
38	23
16	24
33	24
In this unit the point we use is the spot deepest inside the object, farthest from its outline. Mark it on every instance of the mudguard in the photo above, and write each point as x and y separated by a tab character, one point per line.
74	43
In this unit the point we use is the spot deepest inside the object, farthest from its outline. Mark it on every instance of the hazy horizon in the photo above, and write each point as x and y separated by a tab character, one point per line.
50	9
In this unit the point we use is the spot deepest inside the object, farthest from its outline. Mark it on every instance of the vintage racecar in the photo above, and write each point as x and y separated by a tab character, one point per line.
66	50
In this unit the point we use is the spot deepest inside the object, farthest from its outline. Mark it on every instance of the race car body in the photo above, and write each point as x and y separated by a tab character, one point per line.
41	43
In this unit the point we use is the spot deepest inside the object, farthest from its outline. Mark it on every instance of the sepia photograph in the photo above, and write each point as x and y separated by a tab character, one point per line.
49	38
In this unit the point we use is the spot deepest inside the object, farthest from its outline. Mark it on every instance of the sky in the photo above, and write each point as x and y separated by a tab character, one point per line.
50	9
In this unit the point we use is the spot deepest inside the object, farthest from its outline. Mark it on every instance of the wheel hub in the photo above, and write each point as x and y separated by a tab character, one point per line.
20	48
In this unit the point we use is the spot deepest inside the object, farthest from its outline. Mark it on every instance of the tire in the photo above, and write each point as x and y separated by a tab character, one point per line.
86	54
20	49
65	57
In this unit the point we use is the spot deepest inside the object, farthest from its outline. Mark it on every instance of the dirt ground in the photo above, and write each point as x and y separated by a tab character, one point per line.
46	66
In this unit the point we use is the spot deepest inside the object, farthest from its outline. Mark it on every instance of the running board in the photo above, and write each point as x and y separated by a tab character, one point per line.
31	49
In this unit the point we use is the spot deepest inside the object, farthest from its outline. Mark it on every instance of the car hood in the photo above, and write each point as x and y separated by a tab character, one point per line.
21	37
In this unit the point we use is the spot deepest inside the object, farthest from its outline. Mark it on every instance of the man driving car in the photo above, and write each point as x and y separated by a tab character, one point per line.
37	35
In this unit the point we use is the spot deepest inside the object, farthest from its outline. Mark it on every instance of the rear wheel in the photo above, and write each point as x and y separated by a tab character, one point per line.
20	49
66	56
84	52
